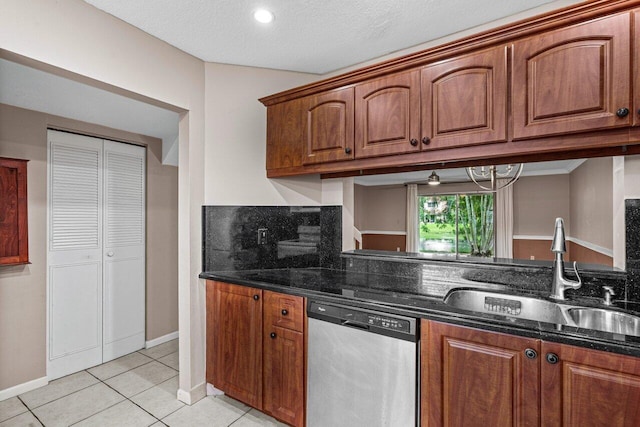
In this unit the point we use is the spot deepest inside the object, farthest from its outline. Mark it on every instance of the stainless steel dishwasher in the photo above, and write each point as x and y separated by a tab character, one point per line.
362	367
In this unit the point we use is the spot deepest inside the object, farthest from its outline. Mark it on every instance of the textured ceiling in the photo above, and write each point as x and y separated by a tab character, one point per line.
313	36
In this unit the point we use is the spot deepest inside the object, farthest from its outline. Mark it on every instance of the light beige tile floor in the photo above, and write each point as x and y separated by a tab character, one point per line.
138	389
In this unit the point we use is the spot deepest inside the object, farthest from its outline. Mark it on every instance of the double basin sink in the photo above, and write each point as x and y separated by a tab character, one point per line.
542	310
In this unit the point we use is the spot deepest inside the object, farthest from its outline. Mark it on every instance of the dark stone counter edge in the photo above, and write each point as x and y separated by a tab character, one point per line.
596	340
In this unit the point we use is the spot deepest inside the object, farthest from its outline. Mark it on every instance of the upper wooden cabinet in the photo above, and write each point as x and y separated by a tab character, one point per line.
14	237
464	100
388	115
328	126
285	135
573	79
636	67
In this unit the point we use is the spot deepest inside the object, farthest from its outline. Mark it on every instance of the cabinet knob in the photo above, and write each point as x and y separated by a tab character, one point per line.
272	335
347	150
256	297
284	312
552	358
426	140
530	353
622	112
413	142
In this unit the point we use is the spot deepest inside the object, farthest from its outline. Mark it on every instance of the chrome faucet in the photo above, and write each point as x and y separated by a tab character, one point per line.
560	282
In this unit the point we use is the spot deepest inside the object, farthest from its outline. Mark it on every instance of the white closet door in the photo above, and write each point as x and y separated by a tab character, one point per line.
74	294
124	249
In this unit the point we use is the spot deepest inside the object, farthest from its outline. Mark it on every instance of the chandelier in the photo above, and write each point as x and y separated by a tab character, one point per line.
486	177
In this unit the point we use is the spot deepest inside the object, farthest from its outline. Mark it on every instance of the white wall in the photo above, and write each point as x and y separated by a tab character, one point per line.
78	41
235	135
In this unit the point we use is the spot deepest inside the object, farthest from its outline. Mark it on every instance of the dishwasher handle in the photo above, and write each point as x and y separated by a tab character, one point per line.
357	325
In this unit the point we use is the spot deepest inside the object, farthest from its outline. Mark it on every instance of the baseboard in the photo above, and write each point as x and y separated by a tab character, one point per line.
161	340
23	388
190	397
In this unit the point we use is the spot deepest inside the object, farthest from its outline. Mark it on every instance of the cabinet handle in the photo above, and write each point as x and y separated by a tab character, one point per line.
552	358
284	312
256	297
347	150
530	353
426	140
272	335
413	142
622	112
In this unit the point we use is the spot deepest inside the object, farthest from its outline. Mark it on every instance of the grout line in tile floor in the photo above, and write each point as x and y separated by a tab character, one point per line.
242	412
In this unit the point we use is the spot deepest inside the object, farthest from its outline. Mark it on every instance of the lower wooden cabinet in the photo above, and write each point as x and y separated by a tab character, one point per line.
473	377
234	341
589	388
478	378
255	348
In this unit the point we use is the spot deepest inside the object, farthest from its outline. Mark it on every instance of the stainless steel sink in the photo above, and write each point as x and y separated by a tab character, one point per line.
605	320
518	306
541	310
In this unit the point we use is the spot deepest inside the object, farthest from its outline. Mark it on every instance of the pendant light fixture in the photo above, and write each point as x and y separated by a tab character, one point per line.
490	175
433	179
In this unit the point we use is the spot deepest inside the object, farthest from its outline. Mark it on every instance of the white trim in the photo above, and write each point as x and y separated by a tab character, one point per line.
161	340
600	249
389	233
196	393
593	247
212	391
528	237
23	388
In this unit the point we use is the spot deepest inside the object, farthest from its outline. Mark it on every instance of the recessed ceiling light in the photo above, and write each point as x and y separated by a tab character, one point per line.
263	16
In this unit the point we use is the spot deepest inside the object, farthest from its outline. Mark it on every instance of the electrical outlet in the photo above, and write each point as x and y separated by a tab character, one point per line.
532	257
262	236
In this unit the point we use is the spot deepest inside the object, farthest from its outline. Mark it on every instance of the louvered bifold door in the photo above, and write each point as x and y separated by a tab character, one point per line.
124	249
74	259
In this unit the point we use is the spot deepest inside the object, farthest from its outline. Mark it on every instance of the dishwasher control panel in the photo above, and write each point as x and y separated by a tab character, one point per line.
365	319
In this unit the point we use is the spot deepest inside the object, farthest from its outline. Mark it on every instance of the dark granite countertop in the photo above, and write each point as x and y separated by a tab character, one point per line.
423	299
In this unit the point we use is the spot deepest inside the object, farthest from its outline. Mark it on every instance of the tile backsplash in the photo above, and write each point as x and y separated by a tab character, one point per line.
256	237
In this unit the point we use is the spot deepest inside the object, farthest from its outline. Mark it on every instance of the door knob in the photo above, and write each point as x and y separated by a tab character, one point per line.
413	142
622	112
426	140
110	254
347	150
284	312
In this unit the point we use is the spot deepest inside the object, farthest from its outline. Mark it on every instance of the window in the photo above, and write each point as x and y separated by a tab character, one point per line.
457	224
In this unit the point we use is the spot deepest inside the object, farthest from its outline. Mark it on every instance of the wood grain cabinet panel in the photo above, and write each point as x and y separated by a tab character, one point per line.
636	67
284	386
464	100
284	357
478	378
14	237
328	127
234	341
573	79
285	135
589	388
388	115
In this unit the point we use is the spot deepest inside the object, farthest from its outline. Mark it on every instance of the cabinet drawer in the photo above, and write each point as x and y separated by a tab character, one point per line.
284	311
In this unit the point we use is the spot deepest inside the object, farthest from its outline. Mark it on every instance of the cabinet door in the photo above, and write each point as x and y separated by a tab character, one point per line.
328	129
14	238
464	100
573	79
285	135
478	378
388	115
589	388
636	67
234	337
284	374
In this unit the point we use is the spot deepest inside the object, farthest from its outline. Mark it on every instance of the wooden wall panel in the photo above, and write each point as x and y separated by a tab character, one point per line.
384	242
541	250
